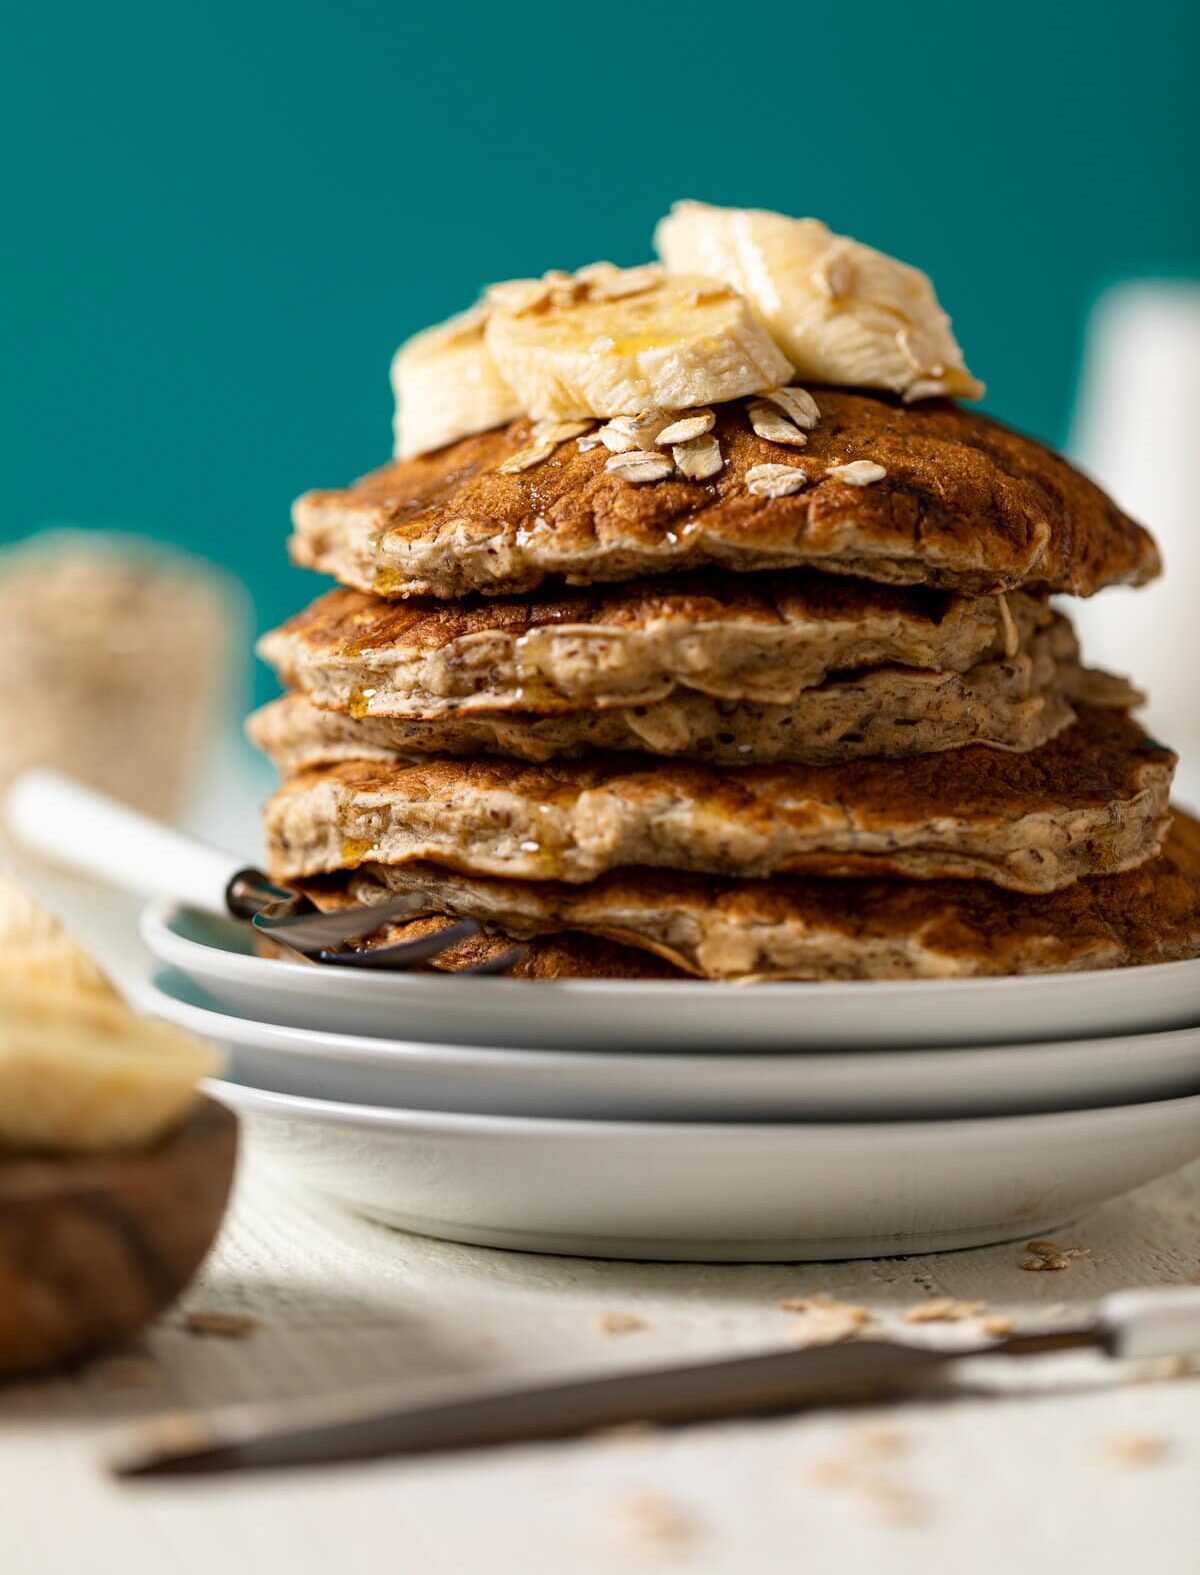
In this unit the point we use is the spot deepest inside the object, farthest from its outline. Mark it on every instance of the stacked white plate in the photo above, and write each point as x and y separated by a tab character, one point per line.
692	1120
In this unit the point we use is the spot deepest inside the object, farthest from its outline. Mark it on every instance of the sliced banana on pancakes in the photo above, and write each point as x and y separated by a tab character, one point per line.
448	387
614	342
746	301
842	312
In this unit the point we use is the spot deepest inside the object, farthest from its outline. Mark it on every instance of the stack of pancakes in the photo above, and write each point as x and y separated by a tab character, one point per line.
739	727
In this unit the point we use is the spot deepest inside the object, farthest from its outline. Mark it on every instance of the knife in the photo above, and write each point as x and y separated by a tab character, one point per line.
366	1425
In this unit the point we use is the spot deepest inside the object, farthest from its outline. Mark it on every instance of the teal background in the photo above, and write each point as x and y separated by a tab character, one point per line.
222	218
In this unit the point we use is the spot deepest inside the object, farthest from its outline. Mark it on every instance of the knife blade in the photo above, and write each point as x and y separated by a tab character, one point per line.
367	1425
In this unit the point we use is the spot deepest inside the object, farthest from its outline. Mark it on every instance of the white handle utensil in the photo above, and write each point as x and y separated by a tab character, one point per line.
68	823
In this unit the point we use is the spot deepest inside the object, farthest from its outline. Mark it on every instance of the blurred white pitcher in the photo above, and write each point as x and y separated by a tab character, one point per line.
1137	431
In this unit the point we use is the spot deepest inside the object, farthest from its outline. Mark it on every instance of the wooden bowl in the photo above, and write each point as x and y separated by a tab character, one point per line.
93	1246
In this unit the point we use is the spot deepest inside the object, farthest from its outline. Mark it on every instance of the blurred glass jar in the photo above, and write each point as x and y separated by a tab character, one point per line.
119	662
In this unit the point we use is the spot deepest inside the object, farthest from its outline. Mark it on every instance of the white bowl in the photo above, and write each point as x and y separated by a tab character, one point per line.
667	1014
630	1085
717	1192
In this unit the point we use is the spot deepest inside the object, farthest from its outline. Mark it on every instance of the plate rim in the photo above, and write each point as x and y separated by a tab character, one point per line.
158	935
257	1033
472	1123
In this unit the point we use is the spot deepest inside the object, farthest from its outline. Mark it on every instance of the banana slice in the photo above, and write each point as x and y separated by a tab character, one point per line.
613	342
83	1074
37	953
78	1070
842	312
447	386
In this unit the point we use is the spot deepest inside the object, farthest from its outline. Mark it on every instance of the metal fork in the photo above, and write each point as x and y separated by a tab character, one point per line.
60	819
291	920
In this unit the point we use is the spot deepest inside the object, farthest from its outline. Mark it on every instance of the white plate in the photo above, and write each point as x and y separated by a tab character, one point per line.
668	1014
624	1084
717	1193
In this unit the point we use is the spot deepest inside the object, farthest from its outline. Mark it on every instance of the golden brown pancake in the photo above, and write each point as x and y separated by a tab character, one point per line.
889	711
1093	801
759	637
798	928
966	504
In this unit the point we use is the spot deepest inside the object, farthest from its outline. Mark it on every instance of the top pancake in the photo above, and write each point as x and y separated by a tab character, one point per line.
966	504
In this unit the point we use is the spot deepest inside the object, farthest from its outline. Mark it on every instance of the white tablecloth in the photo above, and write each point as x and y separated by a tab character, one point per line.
1041	1465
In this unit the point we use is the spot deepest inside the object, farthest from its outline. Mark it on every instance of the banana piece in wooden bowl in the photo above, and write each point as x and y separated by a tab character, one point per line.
114	1171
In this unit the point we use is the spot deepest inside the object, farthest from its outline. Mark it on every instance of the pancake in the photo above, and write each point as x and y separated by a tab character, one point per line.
1094	801
966	504
764	638
795	928
887	711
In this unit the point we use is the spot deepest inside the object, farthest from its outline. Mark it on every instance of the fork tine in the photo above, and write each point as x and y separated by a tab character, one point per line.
316	932
316	937
404	954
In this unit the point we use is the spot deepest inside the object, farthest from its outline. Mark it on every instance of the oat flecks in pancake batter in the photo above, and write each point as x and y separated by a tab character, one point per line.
1093	801
761	637
1012	703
